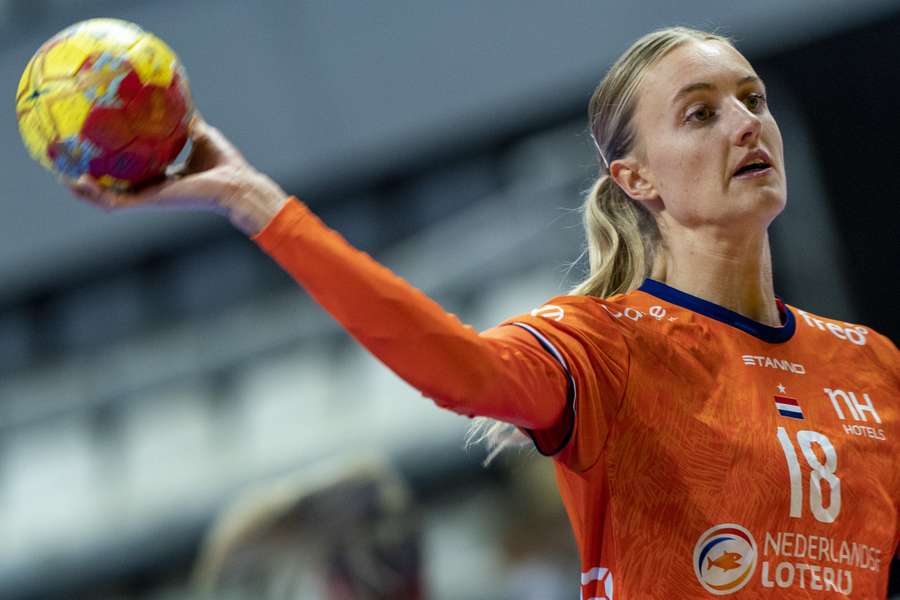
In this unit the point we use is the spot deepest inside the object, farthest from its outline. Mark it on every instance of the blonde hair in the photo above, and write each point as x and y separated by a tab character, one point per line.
622	236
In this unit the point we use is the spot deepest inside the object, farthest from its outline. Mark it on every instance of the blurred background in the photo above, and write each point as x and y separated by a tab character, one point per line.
155	367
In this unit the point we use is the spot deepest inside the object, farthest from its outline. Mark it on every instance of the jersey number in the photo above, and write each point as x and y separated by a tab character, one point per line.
819	471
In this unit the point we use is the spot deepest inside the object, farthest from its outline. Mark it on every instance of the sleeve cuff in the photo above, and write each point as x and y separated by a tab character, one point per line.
280	227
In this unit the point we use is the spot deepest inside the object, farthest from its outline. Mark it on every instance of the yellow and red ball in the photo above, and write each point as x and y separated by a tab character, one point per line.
105	98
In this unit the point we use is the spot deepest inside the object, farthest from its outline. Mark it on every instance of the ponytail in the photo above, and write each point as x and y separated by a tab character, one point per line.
622	237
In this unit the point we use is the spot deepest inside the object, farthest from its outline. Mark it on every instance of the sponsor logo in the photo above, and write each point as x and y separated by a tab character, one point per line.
773	363
629	313
599	583
854	334
857	407
549	311
790	560
725	558
657	312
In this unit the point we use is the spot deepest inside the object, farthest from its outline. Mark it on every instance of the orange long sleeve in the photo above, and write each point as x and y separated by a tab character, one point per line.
506	377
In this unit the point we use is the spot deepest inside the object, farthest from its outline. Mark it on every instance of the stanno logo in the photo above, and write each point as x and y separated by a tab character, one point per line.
724	558
773	363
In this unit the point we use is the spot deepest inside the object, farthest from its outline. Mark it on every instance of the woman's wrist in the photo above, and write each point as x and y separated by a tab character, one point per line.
254	201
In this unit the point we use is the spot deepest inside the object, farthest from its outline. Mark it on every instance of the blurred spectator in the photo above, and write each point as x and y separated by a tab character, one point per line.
345	530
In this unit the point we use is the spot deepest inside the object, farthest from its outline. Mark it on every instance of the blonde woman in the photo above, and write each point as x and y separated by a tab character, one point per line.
707	437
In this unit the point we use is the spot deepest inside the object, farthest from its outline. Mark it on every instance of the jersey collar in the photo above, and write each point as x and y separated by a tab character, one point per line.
773	335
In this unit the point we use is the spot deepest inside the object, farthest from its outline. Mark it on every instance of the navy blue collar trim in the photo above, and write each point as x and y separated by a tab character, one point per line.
773	335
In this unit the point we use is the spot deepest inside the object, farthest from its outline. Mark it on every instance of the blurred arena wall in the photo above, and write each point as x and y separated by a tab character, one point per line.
153	365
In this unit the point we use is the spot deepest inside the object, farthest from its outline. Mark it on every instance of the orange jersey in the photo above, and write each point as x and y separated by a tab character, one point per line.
731	457
698	453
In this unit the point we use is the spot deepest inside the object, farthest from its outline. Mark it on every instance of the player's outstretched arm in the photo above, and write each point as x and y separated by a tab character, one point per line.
508	378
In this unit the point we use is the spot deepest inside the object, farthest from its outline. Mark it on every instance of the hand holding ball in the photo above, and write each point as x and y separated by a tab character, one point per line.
106	106
104	98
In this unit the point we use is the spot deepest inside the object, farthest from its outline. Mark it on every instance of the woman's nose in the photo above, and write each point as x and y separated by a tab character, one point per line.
747	125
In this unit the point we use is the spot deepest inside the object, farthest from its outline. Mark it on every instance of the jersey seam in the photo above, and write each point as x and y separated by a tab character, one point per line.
614	421
571	395
291	222
621	406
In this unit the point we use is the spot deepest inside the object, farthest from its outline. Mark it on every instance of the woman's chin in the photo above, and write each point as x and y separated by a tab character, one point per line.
768	204
756	210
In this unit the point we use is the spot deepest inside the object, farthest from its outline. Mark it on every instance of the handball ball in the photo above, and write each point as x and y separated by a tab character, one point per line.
104	98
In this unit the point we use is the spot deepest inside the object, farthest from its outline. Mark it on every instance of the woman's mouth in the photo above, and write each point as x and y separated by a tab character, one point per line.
753	171
755	163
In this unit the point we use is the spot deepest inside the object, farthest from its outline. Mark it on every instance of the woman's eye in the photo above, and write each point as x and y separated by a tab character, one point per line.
704	113
755	101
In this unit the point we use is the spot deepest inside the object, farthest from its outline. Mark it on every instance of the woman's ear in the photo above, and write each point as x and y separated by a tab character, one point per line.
629	175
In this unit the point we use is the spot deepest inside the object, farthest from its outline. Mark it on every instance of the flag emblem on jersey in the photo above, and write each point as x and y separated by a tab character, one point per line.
788	407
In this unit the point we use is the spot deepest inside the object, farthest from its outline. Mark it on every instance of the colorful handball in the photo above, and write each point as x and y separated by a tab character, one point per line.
105	98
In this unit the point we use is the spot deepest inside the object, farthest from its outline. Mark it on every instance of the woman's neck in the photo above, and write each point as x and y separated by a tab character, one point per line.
734	273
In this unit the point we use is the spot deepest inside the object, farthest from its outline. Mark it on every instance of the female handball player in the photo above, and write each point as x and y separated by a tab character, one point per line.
708	438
